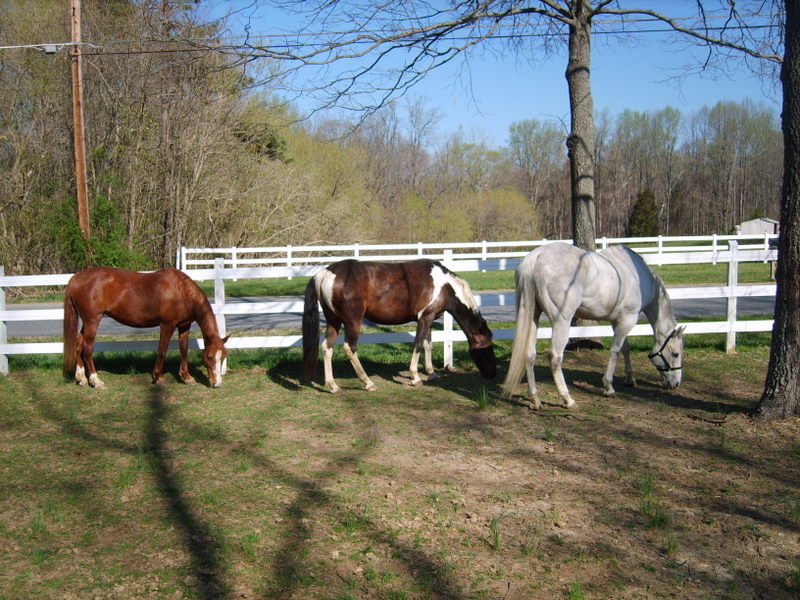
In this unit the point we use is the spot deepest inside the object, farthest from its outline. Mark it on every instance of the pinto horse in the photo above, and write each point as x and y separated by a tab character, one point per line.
168	298
563	281
389	294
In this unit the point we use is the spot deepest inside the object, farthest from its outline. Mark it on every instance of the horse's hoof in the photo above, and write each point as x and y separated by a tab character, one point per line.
417	382
371	387
334	389
433	376
95	382
190	381
81	382
569	402
630	382
610	392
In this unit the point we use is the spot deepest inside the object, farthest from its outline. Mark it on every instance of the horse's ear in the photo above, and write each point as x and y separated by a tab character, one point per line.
226	338
680	330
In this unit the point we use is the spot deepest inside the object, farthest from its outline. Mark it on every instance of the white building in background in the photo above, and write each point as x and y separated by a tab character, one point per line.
754	226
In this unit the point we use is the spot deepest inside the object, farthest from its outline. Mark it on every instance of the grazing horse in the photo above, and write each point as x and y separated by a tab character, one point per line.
389	294
564	281
168	298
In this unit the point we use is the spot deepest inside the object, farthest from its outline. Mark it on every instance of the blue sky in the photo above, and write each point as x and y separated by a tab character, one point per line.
649	72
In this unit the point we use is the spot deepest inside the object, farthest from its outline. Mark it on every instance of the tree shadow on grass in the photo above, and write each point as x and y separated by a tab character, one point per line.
198	538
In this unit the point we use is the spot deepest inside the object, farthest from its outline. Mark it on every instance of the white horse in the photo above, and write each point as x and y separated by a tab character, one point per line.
564	281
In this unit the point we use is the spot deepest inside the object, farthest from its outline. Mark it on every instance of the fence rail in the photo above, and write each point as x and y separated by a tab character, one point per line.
712	250
661	248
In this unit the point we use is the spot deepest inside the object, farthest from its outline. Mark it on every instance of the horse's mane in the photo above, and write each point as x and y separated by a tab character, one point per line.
200	304
461	288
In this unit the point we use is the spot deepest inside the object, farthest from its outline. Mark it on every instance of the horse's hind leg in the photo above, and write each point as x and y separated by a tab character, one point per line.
183	344
557	345
80	369
86	345
533	392
351	349
422	340
331	333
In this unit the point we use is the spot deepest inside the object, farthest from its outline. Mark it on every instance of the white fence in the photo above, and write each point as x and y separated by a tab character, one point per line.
663	251
660	250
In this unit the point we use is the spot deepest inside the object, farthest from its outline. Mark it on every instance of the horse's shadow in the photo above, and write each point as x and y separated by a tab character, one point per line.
141	364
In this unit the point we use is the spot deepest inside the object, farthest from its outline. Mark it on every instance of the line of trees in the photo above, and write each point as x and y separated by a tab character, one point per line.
182	151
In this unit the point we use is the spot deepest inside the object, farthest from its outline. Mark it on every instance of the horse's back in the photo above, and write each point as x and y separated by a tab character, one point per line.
387	293
636	276
133	298
566	280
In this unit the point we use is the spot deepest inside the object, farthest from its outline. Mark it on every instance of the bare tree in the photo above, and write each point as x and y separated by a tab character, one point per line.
378	49
781	397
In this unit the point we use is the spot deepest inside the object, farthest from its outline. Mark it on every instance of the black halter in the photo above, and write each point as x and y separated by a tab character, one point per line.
660	353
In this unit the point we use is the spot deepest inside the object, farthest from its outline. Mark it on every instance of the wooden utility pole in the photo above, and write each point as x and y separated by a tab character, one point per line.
79	140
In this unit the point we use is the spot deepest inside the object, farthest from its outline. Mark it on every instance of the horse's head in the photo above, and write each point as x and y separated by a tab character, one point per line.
481	348
667	357
485	360
214	355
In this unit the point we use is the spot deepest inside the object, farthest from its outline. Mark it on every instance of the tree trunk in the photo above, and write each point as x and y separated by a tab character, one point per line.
781	397
580	143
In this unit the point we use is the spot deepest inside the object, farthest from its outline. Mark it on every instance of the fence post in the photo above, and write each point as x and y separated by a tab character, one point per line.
3	330
219	296
733	281
234	261
289	262
447	321
714	249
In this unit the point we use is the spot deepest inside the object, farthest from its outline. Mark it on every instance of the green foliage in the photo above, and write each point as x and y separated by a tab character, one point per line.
106	243
643	221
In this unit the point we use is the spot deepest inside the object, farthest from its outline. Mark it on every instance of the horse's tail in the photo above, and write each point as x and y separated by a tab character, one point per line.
310	331
526	305
70	335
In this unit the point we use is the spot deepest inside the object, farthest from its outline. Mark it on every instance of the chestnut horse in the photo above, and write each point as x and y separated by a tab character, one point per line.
389	294
168	298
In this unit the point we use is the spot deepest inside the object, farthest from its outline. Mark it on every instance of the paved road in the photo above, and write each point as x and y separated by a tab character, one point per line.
683	309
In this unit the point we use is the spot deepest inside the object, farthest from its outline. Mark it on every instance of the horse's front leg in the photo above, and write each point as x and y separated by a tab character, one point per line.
626	354
422	340
163	344
619	344
183	344
557	345
351	334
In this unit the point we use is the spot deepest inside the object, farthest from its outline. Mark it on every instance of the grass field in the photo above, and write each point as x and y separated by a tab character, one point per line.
266	488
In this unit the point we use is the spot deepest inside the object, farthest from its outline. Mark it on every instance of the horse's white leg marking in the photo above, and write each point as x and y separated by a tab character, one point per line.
80	376
327	362
415	378
95	382
557	345
427	347
360	372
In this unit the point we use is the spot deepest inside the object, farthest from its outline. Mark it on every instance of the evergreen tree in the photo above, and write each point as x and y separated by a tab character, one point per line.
643	221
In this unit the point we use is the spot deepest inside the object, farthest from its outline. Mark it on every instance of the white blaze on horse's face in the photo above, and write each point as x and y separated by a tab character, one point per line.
214	364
